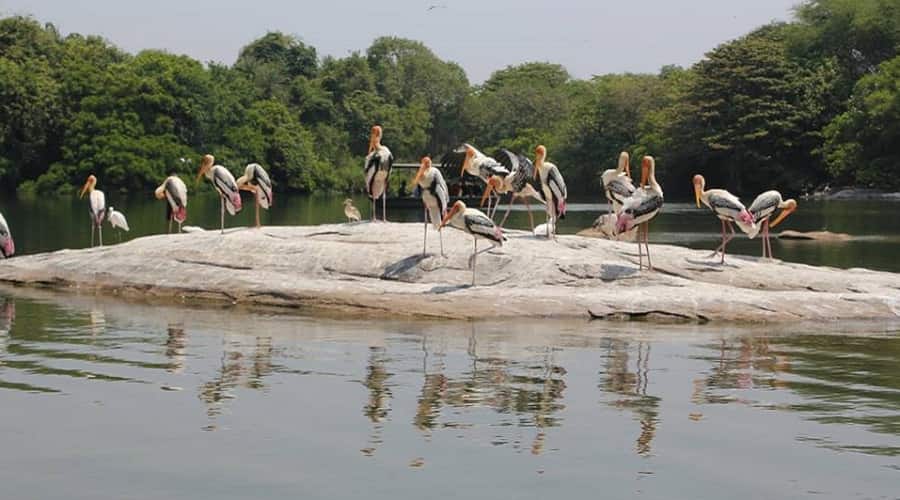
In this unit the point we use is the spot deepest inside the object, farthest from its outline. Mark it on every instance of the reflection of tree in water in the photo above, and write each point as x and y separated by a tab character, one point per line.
532	392
238	369
377	407
632	385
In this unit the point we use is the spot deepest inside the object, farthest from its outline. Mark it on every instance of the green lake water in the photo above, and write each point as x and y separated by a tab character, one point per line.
107	399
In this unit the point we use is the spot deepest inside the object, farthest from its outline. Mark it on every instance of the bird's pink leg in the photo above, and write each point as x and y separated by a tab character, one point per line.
764	239
384	205
474	259
92	231
769	240
512	198
374	218
530	216
425	240
647	244
170	225
726	241
640	250
222	213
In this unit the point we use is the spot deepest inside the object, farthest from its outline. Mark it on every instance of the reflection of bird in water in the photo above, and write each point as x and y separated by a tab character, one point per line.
7	317
98	321
434	387
436	6
234	373
378	405
633	385
175	346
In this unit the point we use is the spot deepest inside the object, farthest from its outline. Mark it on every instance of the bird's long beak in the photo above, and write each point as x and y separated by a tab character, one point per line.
788	210
487	192
160	192
449	215
645	173
697	194
84	189
423	166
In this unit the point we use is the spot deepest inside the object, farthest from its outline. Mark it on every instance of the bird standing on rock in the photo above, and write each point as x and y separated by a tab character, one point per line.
554	187
97	206
476	223
379	162
762	208
640	207
727	207
225	185
117	219
174	192
435	197
7	246
617	183
256	180
520	183
351	212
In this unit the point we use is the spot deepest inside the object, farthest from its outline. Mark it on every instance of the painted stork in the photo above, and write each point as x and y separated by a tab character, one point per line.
763	207
174	191
256	180
7	246
520	183
351	212
472	161
225	185
727	207
378	165
97	206
640	207
554	188
476	223
435	197
617	183
117	219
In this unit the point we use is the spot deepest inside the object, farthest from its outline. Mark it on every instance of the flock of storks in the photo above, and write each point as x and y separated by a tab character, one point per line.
507	172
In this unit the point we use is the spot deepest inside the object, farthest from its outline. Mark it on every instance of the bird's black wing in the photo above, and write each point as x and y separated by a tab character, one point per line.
508	159
452	161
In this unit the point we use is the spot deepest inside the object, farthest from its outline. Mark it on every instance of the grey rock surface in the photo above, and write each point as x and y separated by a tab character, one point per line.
379	268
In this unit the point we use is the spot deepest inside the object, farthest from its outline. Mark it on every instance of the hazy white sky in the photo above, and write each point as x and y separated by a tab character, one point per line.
587	37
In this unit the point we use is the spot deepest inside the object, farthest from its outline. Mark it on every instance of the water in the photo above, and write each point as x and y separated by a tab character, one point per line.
103	399
53	223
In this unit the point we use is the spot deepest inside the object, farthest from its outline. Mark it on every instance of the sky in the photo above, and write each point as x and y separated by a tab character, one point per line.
587	37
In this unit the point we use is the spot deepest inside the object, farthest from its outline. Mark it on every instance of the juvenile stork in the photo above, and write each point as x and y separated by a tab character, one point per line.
520	183
225	185
435	197
351	212
476	223
256	180
174	192
378	165
763	207
640	207
117	220
617	183
727	207
475	163
7	246
554	188
97	206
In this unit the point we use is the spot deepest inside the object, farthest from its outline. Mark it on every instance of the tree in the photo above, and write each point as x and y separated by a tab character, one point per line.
863	143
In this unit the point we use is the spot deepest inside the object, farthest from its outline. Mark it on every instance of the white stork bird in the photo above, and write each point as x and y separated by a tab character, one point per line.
472	161
7	246
727	207
256	180
640	207
763	207
378	165
520	183
174	191
554	188
617	183
117	219
225	185
476	223
351	212
435	197
97	206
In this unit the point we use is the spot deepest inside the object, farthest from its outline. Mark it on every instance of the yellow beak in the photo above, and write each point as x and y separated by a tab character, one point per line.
697	194
487	192
784	213
83	190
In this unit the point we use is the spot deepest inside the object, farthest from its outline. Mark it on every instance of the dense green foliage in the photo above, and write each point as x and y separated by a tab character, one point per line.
790	105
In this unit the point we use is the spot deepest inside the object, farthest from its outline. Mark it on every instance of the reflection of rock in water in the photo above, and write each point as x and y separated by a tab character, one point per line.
175	346
238	369
633	385
377	407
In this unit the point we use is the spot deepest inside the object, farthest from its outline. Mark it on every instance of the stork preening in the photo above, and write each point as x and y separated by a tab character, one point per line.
225	185
520	183
476	223
256	180
435	198
617	183
762	208
96	206
475	163
117	220
554	188
351	212
378	165
7	246
640	207
174	191
727	207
